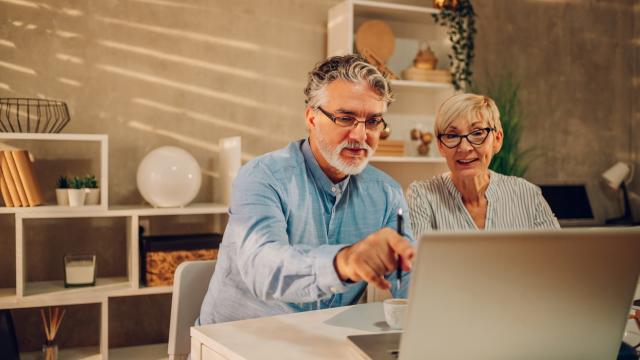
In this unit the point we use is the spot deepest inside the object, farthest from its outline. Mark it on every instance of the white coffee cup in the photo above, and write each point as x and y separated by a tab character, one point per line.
394	312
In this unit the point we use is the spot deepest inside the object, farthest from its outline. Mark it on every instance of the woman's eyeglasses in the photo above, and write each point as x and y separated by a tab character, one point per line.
476	137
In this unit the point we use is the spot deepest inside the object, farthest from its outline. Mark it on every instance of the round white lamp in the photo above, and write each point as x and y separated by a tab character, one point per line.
169	177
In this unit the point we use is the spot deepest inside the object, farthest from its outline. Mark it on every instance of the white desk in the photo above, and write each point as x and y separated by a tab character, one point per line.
309	335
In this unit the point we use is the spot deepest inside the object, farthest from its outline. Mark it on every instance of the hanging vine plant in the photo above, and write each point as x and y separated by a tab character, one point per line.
458	16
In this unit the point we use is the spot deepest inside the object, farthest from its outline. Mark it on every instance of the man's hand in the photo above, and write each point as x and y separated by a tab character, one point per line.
373	257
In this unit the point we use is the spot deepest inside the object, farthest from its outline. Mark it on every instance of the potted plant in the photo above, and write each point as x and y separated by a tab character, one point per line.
459	18
92	190
62	195
512	159
76	192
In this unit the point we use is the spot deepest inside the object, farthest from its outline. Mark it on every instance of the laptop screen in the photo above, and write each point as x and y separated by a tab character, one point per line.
568	201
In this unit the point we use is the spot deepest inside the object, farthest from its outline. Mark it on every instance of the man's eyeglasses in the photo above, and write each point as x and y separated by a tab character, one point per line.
372	124
476	137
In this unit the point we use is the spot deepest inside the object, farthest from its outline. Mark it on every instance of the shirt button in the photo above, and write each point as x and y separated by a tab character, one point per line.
333	189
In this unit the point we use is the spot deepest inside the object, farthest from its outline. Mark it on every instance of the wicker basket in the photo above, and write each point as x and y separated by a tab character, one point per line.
33	115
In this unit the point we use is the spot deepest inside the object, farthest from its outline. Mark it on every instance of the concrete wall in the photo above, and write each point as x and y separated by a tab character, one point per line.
187	73
576	64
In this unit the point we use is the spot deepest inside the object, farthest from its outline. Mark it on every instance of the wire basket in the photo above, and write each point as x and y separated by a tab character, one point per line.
33	115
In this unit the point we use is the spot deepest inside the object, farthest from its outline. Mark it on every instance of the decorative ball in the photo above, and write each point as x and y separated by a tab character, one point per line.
426	137
169	177
415	134
423	149
384	134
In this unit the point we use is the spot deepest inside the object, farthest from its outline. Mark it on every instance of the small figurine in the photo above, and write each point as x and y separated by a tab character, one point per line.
385	133
425	139
426	58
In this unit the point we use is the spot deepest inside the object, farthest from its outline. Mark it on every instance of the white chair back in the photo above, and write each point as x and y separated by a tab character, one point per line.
190	284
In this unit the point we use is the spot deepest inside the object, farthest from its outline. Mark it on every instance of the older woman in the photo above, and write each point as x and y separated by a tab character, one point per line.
470	196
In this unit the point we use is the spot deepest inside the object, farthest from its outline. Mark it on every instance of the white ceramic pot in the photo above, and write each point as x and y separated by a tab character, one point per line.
76	197
62	197
93	197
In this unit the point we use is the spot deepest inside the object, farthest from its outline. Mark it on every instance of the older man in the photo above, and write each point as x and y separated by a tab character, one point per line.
311	224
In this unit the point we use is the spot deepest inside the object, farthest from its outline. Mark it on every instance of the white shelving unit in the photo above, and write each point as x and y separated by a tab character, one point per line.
33	294
100	140
416	101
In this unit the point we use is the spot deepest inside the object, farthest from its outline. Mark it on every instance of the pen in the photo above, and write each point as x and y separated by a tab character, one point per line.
399	265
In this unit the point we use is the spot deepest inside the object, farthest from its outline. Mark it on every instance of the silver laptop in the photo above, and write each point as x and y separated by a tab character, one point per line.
517	295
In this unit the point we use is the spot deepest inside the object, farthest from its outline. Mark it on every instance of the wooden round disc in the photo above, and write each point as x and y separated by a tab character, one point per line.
376	36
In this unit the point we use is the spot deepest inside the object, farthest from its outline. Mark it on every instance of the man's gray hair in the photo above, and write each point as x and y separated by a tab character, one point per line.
353	68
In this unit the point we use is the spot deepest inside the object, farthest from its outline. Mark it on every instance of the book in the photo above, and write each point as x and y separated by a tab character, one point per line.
16	178
27	177
6	175
6	197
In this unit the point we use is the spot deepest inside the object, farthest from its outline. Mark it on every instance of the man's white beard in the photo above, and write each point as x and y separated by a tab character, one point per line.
336	161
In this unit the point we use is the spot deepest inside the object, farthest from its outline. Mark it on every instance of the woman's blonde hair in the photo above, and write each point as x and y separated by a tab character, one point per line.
469	107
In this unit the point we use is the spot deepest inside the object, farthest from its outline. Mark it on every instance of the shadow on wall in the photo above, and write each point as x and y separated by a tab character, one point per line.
159	72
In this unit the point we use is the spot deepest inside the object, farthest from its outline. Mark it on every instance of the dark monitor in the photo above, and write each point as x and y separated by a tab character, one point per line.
570	203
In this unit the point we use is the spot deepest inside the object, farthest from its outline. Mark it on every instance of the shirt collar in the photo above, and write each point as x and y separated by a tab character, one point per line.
321	179
489	194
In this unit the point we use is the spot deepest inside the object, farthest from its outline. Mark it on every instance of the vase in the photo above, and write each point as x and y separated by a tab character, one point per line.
62	197
76	197
93	196
50	351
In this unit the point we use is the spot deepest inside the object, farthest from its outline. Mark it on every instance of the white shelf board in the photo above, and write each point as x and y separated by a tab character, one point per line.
393	12
80	353
192	209
143	352
408	159
50	209
44	212
53	137
56	288
7	297
143	290
88	295
398	84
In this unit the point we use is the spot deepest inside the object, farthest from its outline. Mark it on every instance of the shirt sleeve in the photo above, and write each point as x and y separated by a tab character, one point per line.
544	218
271	267
419	209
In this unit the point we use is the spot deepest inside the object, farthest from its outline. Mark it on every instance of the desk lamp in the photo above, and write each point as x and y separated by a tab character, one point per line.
616	177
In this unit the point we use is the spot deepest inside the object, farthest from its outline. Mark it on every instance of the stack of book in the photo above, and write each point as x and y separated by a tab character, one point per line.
18	183
390	148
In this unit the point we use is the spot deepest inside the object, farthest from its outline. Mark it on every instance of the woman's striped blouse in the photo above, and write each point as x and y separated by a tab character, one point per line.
513	204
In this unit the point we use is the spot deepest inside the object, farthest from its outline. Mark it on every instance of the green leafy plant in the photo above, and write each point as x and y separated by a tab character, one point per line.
76	183
63	182
511	159
459	18
90	182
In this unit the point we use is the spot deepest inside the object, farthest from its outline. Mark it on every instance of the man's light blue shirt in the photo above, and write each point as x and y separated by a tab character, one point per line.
287	221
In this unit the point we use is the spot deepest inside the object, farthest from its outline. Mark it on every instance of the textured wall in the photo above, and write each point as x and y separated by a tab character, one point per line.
186	73
575	62
152	73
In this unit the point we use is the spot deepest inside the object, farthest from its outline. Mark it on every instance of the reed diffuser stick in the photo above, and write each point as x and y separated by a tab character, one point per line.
51	325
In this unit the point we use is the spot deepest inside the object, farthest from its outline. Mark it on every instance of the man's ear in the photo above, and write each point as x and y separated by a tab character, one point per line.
310	117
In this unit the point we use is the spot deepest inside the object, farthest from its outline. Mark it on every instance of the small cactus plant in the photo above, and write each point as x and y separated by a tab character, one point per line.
76	183
90	182
63	182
